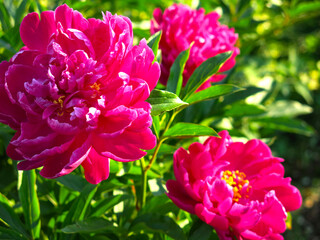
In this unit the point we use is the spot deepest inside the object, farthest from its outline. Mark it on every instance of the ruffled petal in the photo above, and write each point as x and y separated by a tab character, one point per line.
96	167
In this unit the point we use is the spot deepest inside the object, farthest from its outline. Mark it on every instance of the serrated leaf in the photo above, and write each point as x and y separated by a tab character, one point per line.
175	80
153	43
90	225
205	71
189	130
9	216
30	202
212	92
153	222
286	124
162	101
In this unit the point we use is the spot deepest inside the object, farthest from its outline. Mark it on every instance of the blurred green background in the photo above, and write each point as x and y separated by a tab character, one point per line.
279	65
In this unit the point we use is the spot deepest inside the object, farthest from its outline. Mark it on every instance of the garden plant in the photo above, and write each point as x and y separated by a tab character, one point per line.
159	119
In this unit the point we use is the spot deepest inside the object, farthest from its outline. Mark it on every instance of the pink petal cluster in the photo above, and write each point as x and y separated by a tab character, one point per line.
237	188
180	26
75	94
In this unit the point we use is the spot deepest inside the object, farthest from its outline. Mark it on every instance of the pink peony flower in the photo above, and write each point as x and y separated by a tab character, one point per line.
180	27
75	94
237	188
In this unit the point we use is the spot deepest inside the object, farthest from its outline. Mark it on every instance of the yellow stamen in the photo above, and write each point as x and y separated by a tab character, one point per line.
237	180
96	86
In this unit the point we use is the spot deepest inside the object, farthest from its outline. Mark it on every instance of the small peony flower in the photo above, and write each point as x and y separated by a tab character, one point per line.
180	27
237	188
75	94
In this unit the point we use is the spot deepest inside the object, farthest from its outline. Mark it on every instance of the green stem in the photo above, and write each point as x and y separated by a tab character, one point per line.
143	183
144	168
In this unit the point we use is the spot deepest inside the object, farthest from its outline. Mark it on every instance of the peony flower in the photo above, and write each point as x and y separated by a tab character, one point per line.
237	188
180	27
75	94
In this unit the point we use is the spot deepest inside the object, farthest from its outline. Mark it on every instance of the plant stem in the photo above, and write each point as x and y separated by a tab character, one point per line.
144	168
143	183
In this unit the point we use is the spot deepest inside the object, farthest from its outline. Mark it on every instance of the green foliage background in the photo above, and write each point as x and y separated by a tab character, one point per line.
279	67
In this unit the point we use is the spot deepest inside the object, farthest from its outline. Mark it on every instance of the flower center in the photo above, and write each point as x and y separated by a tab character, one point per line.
237	180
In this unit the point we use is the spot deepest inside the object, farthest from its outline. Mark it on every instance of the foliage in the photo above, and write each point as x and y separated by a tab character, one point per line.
272	94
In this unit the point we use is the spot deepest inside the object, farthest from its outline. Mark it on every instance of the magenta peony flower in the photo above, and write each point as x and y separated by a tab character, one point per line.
75	94
180	27
237	188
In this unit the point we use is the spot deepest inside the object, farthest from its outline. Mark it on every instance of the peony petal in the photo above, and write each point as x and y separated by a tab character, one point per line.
64	163
180	197
96	167
211	218
35	33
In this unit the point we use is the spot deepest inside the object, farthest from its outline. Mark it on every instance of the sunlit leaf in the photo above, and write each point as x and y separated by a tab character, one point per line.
204	71
286	124
212	92
162	101
189	130
30	202
243	109
153	43
175	80
10	217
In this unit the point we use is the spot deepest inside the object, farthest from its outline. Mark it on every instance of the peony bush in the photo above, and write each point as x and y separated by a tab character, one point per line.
78	92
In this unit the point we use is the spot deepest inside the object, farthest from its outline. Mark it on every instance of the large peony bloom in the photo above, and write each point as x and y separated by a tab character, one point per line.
75	94
180	27
237	188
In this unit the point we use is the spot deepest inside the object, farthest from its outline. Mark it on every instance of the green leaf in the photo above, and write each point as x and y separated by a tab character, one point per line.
175	80
305	8
30	202
163	101
153	222
287	108
105	205
189	130
90	225
9	216
212	92
21	11
203	231
4	18
153	43
79	207
74	182
156	125
240	95
286	124
243	109
6	233
205	71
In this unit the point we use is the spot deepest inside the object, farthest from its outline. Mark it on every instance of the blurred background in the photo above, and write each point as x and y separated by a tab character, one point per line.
279	65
